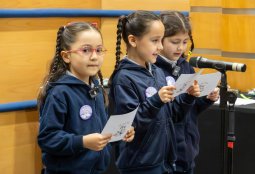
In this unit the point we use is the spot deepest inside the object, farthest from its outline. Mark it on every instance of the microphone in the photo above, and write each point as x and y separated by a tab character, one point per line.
201	62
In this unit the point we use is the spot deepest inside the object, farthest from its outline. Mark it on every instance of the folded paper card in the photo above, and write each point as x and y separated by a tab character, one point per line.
118	125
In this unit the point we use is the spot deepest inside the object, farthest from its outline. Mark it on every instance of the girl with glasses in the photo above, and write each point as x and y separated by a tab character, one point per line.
71	119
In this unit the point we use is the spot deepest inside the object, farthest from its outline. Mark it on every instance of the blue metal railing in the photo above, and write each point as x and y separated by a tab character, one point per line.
15	106
56	12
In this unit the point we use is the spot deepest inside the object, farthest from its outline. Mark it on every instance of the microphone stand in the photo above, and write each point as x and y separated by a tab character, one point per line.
232	96
227	124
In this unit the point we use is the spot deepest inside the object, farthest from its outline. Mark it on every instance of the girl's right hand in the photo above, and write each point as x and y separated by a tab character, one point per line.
166	93
96	141
194	89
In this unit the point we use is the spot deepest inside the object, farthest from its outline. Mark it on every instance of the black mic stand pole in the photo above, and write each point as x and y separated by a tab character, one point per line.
227	130
232	96
223	106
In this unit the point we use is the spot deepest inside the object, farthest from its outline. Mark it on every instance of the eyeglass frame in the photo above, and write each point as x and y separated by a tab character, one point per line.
92	50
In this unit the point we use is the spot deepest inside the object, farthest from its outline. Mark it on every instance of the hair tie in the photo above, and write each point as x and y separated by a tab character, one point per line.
189	53
69	23
126	19
94	24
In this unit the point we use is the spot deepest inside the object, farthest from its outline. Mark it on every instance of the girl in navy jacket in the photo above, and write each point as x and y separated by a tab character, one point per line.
137	82
71	103
172	61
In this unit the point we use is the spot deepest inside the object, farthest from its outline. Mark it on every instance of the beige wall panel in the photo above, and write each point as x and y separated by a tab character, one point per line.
146	5
238	33
20	160
95	4
206	3
18	135
238	3
27	46
18	117
206	29
19	152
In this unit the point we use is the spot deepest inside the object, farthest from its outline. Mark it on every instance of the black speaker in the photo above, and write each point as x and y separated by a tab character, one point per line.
209	158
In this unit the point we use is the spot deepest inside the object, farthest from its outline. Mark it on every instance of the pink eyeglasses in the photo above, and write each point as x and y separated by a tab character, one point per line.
88	51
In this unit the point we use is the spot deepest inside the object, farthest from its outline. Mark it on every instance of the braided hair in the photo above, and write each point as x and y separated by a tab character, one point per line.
137	24
66	36
175	22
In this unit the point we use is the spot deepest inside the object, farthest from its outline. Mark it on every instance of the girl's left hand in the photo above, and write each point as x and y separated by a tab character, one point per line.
214	95
129	135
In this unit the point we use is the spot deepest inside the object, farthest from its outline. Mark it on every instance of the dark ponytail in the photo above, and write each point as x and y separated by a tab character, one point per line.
55	71
121	22
106	101
192	46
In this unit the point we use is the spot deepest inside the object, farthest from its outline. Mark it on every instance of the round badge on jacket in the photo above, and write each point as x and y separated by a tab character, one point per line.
170	80
150	91
85	112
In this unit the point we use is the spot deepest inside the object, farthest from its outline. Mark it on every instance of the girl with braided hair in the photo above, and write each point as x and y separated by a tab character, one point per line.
172	60
71	105
137	82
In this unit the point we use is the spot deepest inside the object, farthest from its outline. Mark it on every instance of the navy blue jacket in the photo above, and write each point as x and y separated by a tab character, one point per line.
153	150
187	134
67	114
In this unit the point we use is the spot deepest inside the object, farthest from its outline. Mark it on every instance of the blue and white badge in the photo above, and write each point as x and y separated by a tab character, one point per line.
170	80
150	91
85	112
